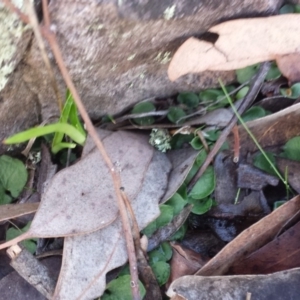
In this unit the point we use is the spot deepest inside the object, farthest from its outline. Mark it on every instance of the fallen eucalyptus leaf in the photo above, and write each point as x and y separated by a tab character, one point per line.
241	43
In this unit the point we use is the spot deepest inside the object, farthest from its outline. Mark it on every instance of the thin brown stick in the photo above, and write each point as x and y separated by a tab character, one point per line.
15	10
37	32
146	273
93	133
115	176
255	87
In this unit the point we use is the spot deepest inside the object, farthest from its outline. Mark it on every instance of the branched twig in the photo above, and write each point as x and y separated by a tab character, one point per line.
50	36
254	89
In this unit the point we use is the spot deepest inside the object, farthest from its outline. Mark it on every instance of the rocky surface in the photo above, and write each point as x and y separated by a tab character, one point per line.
117	53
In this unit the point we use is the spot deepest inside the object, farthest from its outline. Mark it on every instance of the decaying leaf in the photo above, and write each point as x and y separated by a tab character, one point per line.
272	130
250	239
272	286
87	258
280	254
289	66
240	43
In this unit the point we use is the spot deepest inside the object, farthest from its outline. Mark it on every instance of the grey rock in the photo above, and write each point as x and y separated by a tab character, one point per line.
117	53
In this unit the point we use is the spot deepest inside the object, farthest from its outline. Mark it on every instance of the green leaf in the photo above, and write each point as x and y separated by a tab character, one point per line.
182	191
278	204
297	8
191	100
242	92
202	206
162	253
212	135
273	73
291	149
287	9
12	233
120	289
143	107
253	113
166	215
205	185
161	271
4	198
197	164
247	73
180	233
293	92
67	129
175	114
178	140
177	202
13	175
196	143
210	95
260	162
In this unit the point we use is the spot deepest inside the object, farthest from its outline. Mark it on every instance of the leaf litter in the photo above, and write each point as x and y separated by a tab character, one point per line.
88	255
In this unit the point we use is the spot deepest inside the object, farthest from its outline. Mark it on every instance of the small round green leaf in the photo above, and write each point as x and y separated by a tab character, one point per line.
253	113
191	100
175	114
196	143
202	206
273	73
162	253
143	107
205	185
161	270
292	149
120	289
260	162
242	92
166	215
247	73
177	202
13	175
210	95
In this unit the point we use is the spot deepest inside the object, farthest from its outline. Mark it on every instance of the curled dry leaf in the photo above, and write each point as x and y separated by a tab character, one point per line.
240	43
282	284
250	239
289	66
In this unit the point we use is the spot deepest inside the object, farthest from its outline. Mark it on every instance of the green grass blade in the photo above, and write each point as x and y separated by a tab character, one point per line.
252	136
56	148
67	129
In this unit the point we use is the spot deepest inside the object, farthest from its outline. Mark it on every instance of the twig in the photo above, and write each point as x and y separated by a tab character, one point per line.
146	273
254	89
142	115
37	32
32	270
50	36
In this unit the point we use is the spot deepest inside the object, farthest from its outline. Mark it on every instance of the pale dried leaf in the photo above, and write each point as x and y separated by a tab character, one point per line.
240	43
87	258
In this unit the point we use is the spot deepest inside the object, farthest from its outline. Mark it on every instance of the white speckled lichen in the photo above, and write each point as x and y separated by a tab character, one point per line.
169	12
11	29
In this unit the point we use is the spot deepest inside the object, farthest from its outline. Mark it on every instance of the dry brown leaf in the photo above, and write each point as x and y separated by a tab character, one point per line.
250	239
11	211
289	66
280	254
273	130
279	286
240	43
